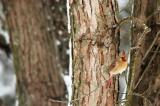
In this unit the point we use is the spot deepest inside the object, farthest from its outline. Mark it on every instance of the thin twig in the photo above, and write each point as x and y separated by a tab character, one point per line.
140	79
135	94
130	19
78	99
149	49
149	17
142	96
155	51
121	101
139	22
57	101
84	95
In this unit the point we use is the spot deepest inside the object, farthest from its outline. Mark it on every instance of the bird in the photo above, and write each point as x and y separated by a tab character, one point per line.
117	67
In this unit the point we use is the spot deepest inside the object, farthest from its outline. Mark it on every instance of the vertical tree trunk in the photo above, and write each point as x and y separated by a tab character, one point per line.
34	53
145	62
94	49
59	16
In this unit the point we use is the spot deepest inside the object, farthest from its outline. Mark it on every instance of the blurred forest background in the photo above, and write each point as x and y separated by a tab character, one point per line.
40	50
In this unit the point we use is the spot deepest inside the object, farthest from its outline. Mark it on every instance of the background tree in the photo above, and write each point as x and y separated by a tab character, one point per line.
145	69
34	52
95	46
59	17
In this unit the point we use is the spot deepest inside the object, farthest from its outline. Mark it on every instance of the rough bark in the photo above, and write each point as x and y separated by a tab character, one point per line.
145	61
94	49
34	53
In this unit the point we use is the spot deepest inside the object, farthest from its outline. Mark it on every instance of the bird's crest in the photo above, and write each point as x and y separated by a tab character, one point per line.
123	55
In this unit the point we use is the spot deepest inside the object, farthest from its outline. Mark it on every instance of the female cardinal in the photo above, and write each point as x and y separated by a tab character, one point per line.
118	66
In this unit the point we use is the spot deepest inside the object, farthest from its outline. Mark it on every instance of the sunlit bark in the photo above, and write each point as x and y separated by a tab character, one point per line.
94	49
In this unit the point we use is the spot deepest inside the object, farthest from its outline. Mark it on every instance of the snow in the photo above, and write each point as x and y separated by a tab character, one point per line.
57	0
5	35
60	32
48	29
7	77
8	89
3	32
1	68
49	17
70	72
68	83
68	17
52	8
2	15
68	51
57	42
68	79
7	74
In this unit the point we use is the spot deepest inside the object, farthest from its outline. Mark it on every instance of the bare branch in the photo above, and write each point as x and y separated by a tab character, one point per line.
140	79
149	49
155	13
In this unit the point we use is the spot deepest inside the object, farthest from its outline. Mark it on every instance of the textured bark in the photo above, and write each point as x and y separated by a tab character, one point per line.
94	49
146	93
34	53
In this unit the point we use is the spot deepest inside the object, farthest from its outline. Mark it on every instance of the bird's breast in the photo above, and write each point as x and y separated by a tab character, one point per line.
119	68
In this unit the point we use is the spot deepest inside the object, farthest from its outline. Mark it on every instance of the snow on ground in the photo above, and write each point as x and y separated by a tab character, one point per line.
68	78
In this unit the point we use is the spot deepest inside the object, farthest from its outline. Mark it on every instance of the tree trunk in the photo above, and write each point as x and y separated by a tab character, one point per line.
60	31
35	54
94	48
145	60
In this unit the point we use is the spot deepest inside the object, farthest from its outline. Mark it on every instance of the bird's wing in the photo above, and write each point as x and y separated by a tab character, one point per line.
112	65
